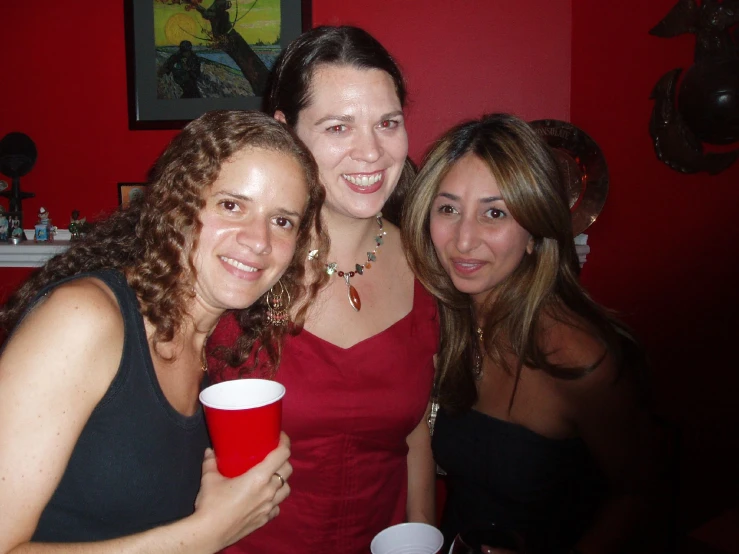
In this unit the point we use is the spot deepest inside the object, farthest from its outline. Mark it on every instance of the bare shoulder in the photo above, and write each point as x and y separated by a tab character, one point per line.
81	327
576	346
390	281
87	305
599	388
571	341
56	367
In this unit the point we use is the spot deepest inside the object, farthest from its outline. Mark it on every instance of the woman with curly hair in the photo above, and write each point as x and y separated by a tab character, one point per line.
541	427
104	441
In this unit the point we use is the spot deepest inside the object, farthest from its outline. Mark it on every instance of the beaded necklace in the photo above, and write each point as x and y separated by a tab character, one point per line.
333	268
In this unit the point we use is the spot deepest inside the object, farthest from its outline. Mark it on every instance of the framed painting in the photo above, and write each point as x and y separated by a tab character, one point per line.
129	191
187	57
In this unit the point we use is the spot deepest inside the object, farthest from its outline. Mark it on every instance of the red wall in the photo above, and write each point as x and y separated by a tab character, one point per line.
465	58
68	90
665	246
63	83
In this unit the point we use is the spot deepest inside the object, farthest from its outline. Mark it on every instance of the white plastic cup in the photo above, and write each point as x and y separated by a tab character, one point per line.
408	538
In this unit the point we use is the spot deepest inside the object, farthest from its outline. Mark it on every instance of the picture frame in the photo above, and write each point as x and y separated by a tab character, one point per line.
187	57
129	191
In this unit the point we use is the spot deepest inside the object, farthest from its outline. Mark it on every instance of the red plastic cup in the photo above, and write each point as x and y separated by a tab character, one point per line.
244	419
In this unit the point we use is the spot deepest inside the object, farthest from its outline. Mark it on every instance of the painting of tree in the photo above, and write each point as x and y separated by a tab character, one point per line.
187	57
215	48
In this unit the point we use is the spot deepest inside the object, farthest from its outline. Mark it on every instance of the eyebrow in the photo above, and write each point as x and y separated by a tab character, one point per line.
292	213
244	198
456	198
350	118
391	114
344	118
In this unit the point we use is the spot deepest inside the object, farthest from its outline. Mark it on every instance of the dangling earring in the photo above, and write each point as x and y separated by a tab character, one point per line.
277	306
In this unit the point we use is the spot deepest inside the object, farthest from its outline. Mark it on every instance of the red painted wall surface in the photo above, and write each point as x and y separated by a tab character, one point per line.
64	85
63	82
665	247
465	58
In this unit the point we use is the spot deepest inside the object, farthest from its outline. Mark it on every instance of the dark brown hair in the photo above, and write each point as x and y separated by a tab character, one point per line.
290	87
152	241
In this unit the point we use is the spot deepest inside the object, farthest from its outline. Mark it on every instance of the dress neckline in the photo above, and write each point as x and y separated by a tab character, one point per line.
416	284
512	426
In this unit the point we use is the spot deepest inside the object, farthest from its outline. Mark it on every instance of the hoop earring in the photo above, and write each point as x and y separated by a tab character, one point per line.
277	306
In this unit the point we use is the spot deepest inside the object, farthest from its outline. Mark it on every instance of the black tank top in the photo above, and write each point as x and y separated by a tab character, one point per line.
545	489
137	463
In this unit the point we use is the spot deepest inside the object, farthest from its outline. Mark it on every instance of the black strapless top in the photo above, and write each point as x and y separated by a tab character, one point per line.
547	490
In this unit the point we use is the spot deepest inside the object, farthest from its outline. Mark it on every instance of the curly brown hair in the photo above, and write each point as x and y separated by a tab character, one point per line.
152	240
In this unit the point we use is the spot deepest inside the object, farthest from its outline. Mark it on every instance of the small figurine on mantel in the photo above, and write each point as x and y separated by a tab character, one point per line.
76	225
16	230
3	225
43	230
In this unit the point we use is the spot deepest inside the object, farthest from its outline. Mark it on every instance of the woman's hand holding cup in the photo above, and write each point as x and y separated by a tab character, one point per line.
245	476
231	508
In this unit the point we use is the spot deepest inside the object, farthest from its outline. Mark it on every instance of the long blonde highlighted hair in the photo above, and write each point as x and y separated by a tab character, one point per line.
546	281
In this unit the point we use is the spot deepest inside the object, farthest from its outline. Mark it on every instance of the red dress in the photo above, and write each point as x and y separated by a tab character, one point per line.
348	413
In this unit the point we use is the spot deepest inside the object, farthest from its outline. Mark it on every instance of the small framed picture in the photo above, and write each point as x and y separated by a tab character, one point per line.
130	191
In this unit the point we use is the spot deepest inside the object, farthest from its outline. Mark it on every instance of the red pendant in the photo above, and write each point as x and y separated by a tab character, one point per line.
354	300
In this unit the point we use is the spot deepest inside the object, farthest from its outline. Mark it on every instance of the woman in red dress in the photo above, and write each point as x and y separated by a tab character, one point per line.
359	373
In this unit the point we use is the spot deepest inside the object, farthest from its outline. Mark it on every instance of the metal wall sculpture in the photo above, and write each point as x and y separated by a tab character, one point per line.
705	106
582	167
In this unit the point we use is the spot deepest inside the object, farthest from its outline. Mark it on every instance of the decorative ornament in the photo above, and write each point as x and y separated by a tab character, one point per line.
705	107
77	225
43	229
4	223
17	158
277	305
582	167
333	268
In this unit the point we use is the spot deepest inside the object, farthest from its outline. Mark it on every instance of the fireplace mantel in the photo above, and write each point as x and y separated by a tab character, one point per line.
33	254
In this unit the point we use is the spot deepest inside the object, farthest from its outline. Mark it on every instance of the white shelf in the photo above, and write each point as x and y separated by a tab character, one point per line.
33	254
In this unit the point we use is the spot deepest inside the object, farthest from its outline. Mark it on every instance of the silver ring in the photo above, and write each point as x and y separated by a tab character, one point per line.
281	478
